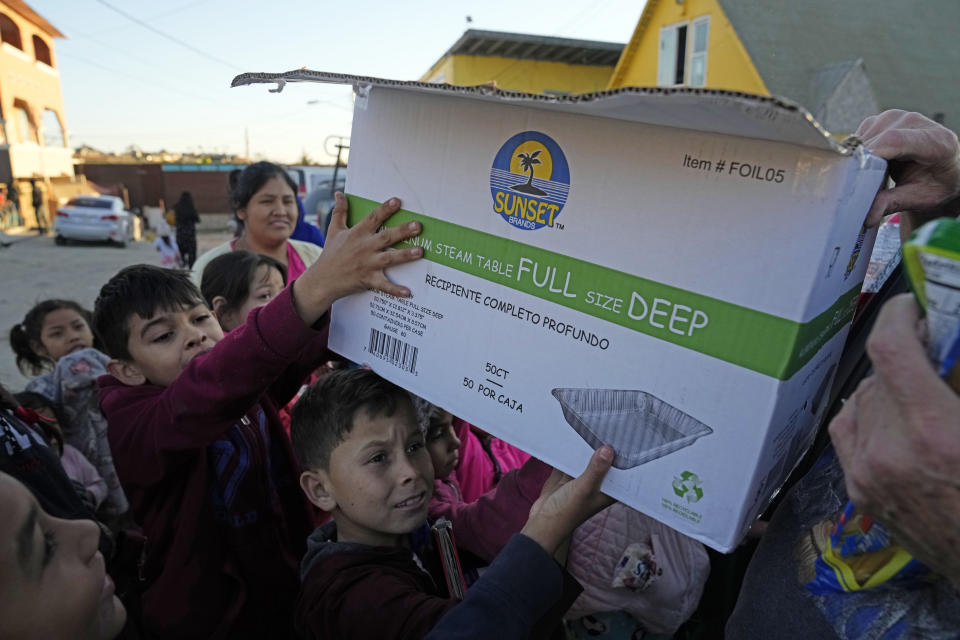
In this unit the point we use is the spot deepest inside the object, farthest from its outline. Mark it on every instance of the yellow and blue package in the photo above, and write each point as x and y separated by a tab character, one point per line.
859	554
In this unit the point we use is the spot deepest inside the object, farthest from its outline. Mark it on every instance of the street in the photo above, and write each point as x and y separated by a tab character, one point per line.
34	269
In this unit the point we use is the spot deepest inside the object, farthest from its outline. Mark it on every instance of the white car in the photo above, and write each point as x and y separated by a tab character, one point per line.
93	218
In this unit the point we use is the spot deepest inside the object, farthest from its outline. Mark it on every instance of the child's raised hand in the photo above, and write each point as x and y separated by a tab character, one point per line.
565	503
354	259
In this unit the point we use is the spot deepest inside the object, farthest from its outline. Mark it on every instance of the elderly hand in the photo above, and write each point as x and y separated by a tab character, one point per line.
924	162
898	440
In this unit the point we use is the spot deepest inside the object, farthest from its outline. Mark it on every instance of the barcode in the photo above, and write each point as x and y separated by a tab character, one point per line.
393	350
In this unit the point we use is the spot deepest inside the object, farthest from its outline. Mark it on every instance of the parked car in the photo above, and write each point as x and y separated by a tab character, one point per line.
93	218
318	205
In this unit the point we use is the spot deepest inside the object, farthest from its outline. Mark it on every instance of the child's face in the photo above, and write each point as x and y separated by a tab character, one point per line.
443	445
64	331
267	283
380	479
51	573
162	346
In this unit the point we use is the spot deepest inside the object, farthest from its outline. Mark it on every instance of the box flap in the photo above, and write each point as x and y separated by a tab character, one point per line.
711	110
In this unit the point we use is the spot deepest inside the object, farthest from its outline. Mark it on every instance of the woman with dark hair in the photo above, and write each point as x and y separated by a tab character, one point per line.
187	219
264	199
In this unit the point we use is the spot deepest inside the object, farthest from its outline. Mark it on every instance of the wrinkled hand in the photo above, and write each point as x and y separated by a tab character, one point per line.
898	440
924	161
565	503
354	259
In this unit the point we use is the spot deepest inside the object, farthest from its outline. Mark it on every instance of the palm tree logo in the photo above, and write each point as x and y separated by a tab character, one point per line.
527	161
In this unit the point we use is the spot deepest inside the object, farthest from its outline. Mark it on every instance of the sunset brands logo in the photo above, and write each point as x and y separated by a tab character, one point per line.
530	181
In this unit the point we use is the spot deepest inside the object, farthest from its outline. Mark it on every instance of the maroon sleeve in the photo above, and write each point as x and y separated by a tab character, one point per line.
149	424
485	526
313	355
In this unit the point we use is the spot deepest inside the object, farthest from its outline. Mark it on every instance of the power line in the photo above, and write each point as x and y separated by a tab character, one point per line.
157	16
186	45
152	83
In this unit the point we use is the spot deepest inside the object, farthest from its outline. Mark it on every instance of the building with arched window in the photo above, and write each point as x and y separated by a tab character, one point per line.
34	139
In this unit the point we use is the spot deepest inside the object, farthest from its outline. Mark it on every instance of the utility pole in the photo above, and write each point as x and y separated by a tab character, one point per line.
336	167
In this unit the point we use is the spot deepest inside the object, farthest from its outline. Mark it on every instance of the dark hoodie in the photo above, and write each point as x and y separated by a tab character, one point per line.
212	479
353	590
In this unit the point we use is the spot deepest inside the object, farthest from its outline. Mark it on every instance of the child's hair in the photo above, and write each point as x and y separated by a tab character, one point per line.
36	401
26	333
143	290
252	179
323	416
427	414
231	275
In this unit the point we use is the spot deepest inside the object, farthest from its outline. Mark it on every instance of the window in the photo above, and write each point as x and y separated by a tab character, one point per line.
683	55
10	32
26	129
41	51
698	52
92	203
52	130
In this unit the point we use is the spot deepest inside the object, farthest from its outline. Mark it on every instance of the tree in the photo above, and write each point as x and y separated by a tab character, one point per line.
527	161
305	159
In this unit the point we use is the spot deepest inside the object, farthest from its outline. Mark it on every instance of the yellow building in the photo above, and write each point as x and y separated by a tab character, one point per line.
841	61
33	135
522	62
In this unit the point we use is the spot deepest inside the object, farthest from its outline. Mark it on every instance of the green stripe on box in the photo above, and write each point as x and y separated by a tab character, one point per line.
758	341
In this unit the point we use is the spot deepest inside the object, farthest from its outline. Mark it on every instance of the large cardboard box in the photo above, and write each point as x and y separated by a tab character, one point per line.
671	272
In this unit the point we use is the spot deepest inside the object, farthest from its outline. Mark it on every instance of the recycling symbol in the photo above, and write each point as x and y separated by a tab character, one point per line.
688	486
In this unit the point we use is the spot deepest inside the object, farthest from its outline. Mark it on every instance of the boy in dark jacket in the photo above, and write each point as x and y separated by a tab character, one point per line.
196	438
371	573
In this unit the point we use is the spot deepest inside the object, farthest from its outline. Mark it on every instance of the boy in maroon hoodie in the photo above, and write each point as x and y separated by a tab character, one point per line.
196	438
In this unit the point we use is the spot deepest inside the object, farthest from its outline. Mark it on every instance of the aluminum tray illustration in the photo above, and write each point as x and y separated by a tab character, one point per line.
638	425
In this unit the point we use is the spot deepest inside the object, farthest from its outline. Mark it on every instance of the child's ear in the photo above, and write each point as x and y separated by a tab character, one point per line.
224	317
126	372
316	484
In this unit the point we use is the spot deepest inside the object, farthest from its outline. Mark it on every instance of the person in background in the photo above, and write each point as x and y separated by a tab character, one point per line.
304	230
167	247
264	199
36	199
55	342
90	486
187	219
238	282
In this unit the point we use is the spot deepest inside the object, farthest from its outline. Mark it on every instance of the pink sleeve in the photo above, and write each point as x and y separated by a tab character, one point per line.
483	527
475	473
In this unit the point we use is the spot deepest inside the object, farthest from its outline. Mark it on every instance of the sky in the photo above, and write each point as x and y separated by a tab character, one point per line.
124	84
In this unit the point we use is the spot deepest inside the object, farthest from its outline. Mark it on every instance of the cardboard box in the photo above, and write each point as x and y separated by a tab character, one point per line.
673	272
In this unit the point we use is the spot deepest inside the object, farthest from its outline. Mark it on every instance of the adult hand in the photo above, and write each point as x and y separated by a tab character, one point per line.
354	259
898	440
924	162
565	503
